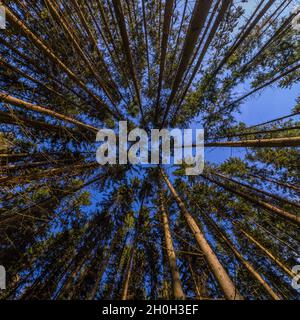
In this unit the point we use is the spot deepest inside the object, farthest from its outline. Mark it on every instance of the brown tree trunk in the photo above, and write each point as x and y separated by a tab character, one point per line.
239	256
198	291
269	254
122	26
265	193
48	52
249	133
258	143
164	44
284	185
227	286
128	272
129	265
269	207
46	173
224	7
23	104
176	282
16	118
199	16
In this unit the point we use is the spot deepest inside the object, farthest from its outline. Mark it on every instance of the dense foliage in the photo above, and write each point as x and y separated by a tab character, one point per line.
72	229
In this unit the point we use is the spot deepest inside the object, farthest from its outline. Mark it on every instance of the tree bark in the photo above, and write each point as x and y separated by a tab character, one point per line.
122	26
48	52
258	143
239	256
23	104
199	16
265	193
176	282
285	214
164	44
269	254
227	286
281	184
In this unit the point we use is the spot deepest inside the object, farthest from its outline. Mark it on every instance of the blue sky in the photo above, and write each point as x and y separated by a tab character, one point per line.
269	104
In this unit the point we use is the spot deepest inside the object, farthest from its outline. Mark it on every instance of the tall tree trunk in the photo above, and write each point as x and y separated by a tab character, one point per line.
269	207
258	143
176	282
107	255
164	44
23	104
128	271
239	256
246	186
227	286
249	133
129	265
224	7
287	270
122	26
199	16
93	292
48	52
198	291
279	183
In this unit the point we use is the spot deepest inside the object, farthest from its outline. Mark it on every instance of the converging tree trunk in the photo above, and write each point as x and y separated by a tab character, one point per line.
176	282
227	286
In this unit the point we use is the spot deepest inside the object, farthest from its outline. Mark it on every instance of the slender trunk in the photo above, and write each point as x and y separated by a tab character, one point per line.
244	34
199	16
176	282
285	214
194	280
265	193
122	26
239	256
48	52
46	173
227	286
128	271
164	44
242	134
224	7
258	143
107	256
146	42
274	120
23	104
93	293
129	265
67	289
26	165
266	84
287	270
281	184
17	119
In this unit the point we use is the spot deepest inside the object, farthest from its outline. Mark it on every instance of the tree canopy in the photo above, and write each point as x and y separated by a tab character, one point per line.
72	229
